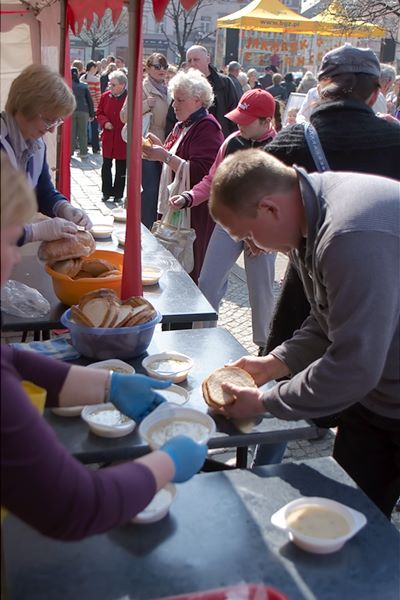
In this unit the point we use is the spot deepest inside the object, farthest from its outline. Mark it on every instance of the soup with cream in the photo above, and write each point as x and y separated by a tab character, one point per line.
168	428
318	522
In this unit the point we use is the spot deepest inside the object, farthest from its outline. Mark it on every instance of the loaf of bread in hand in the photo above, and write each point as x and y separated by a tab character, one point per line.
213	393
79	245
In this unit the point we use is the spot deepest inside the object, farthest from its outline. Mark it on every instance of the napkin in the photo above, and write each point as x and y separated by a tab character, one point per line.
60	348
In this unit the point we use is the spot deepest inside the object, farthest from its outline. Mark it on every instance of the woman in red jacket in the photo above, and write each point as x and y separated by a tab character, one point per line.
113	146
195	140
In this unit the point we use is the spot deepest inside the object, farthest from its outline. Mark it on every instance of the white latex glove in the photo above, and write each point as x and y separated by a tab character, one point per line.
50	229
76	215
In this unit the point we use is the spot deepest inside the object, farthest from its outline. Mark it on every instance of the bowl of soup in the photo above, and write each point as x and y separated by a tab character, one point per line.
319	525
169	421
105	420
174	366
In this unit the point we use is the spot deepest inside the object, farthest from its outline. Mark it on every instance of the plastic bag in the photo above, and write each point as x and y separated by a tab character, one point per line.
21	300
175	234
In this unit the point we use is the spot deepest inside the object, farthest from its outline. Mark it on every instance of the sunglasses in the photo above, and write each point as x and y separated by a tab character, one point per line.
51	124
159	67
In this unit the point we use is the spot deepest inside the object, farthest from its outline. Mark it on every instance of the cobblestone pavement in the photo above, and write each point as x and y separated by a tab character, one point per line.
235	309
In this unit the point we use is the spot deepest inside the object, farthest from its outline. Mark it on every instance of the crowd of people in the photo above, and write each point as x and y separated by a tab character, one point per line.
324	189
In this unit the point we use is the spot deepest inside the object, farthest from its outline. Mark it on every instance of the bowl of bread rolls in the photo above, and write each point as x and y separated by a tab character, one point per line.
76	267
103	327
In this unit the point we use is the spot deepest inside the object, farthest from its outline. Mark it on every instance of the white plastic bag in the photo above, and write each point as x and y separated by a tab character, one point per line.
21	300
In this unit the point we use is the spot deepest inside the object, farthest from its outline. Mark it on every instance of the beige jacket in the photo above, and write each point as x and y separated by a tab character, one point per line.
159	110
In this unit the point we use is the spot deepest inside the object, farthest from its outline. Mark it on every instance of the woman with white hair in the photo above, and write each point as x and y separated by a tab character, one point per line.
38	102
113	146
252	77
192	144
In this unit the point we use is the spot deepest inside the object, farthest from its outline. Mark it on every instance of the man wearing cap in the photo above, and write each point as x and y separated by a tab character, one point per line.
266	80
233	72
341	231
225	96
253	115
353	139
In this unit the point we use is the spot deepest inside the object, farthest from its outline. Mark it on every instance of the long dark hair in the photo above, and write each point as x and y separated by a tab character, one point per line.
75	74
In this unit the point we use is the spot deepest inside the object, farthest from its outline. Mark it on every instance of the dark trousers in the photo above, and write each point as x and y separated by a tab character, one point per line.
367	446
94	130
151	173
108	188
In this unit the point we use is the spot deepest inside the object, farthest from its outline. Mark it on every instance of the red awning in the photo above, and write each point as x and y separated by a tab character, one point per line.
80	12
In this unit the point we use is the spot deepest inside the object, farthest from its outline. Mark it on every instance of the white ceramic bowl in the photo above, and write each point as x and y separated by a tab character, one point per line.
113	364
67	411
175	394
121	239
101	231
318	514
158	507
168	365
119	214
169	420
151	274
105	425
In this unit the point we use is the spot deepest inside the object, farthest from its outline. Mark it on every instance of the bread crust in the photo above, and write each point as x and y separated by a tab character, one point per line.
213	394
70	267
79	245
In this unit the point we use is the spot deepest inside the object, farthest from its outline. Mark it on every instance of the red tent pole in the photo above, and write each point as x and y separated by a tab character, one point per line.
64	177
132	268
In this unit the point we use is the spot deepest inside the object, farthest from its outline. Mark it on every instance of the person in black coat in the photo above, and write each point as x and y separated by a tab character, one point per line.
225	97
81	115
353	138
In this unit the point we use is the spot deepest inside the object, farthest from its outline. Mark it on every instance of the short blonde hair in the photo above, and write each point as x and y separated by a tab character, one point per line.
38	89
244	178
18	200
193	83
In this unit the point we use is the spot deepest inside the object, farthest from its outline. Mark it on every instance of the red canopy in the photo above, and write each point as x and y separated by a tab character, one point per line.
78	12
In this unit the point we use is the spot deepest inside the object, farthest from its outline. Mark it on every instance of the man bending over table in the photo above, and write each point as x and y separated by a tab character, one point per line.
341	232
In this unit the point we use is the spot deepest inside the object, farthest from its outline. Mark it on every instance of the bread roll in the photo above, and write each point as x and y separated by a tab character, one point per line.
79	245
213	394
97	266
70	267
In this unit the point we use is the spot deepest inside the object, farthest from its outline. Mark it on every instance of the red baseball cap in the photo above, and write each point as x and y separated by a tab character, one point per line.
254	104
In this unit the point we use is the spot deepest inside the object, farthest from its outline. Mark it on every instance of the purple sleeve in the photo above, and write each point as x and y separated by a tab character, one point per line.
200	147
46	372
46	487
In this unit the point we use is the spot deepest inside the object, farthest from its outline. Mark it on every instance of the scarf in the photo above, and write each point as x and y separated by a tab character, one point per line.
23	149
159	85
181	125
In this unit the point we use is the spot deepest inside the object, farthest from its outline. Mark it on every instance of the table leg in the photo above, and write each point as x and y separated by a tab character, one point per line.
241	457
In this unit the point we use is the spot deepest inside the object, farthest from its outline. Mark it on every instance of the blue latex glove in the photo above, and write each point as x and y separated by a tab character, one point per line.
187	455
134	395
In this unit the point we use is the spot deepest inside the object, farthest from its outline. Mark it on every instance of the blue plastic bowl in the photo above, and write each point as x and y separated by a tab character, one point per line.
115	342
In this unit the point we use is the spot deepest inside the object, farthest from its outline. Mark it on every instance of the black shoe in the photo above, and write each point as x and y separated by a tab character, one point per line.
105	198
262	351
118	199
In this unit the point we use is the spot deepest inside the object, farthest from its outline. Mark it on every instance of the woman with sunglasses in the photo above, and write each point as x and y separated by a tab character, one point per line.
38	101
155	107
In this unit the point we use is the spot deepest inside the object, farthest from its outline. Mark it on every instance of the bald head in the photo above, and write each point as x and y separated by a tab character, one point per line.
197	57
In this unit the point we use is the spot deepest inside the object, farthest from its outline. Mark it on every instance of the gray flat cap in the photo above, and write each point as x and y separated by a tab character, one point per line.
349	59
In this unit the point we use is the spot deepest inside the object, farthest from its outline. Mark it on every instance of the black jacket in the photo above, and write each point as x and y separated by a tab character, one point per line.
224	101
353	139
84	102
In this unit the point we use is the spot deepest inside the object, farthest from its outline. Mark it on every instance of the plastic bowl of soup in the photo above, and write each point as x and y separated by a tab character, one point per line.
105	420
169	420
174	366
319	525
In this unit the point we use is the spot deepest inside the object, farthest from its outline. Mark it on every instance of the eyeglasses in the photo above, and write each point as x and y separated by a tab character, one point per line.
51	124
158	67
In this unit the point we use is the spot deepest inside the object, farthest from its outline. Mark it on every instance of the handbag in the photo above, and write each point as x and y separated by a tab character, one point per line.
173	231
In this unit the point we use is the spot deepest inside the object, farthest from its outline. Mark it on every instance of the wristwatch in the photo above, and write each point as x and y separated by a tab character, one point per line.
168	158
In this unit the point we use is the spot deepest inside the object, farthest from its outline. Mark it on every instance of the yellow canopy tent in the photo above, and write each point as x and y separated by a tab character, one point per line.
333	21
269	16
